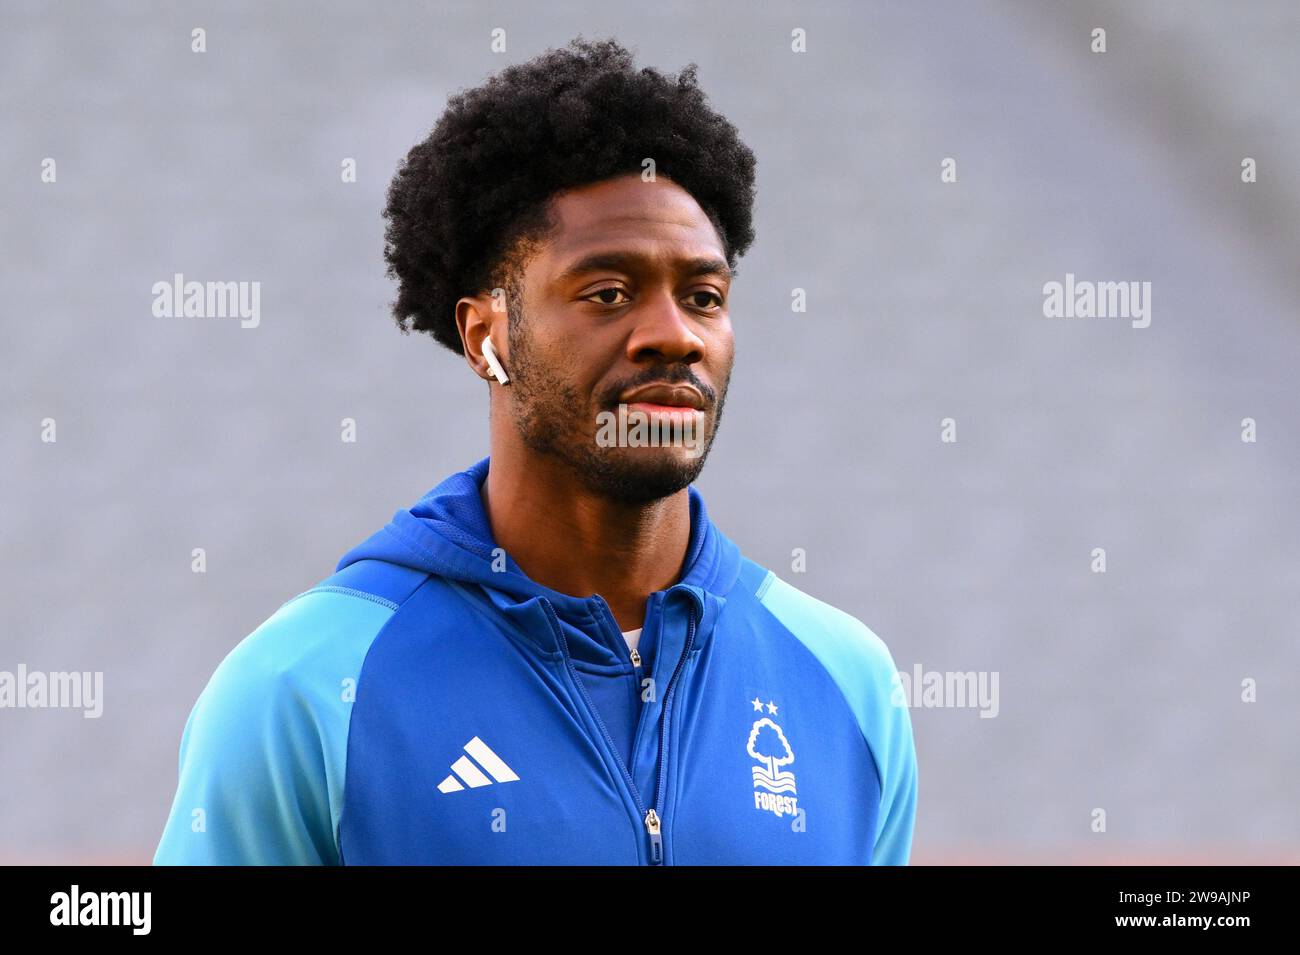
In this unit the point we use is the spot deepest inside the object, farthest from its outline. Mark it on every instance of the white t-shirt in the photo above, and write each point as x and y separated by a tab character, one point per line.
632	636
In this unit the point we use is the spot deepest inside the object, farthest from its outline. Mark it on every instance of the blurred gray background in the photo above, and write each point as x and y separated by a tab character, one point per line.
1119	691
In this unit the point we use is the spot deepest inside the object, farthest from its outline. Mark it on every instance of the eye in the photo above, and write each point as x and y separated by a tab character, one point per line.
710	295
611	290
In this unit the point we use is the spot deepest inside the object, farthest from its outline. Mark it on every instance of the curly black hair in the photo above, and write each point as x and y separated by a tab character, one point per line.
470	200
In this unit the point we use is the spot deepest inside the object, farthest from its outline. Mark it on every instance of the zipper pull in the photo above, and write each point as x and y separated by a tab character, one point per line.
656	840
636	658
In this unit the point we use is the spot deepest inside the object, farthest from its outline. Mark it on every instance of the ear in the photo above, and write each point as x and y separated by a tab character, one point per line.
475	320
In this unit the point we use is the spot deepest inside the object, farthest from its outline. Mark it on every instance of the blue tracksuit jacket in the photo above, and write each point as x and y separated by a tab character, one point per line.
430	704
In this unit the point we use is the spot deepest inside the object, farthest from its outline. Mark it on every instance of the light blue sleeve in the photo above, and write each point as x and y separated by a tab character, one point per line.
898	804
263	753
863	668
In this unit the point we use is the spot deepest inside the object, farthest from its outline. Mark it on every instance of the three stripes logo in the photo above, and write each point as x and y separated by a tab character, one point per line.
466	772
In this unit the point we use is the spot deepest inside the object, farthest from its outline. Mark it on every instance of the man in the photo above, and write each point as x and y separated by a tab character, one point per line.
555	657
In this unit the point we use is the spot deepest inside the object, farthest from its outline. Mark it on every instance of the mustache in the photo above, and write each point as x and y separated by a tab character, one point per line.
682	376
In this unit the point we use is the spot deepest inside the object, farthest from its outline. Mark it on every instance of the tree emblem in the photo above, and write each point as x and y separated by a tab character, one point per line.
768	745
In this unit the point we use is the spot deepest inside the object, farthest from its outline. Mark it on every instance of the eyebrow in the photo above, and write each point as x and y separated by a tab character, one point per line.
628	262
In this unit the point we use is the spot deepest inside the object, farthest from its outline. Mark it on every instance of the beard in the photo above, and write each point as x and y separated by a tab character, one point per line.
555	420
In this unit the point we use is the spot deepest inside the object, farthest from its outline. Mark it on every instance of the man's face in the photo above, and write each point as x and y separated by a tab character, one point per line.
630	293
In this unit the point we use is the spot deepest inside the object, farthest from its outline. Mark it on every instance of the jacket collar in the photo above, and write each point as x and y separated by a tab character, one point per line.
447	533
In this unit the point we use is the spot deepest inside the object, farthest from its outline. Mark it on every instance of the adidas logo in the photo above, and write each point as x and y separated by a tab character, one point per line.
469	773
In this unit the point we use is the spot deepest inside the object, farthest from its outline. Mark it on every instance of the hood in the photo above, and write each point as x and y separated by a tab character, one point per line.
447	533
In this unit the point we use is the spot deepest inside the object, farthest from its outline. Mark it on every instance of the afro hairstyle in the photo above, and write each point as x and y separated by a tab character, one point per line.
470	200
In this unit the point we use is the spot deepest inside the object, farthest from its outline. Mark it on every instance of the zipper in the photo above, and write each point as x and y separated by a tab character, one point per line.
656	840
622	641
650	817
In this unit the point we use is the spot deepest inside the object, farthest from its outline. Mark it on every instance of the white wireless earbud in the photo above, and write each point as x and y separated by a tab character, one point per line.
494	363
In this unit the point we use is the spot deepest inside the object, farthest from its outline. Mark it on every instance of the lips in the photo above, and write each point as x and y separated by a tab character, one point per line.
668	397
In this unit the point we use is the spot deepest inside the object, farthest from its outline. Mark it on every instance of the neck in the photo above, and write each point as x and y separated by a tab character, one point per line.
573	541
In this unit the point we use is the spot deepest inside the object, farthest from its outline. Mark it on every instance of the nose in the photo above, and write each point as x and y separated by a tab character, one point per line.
664	332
